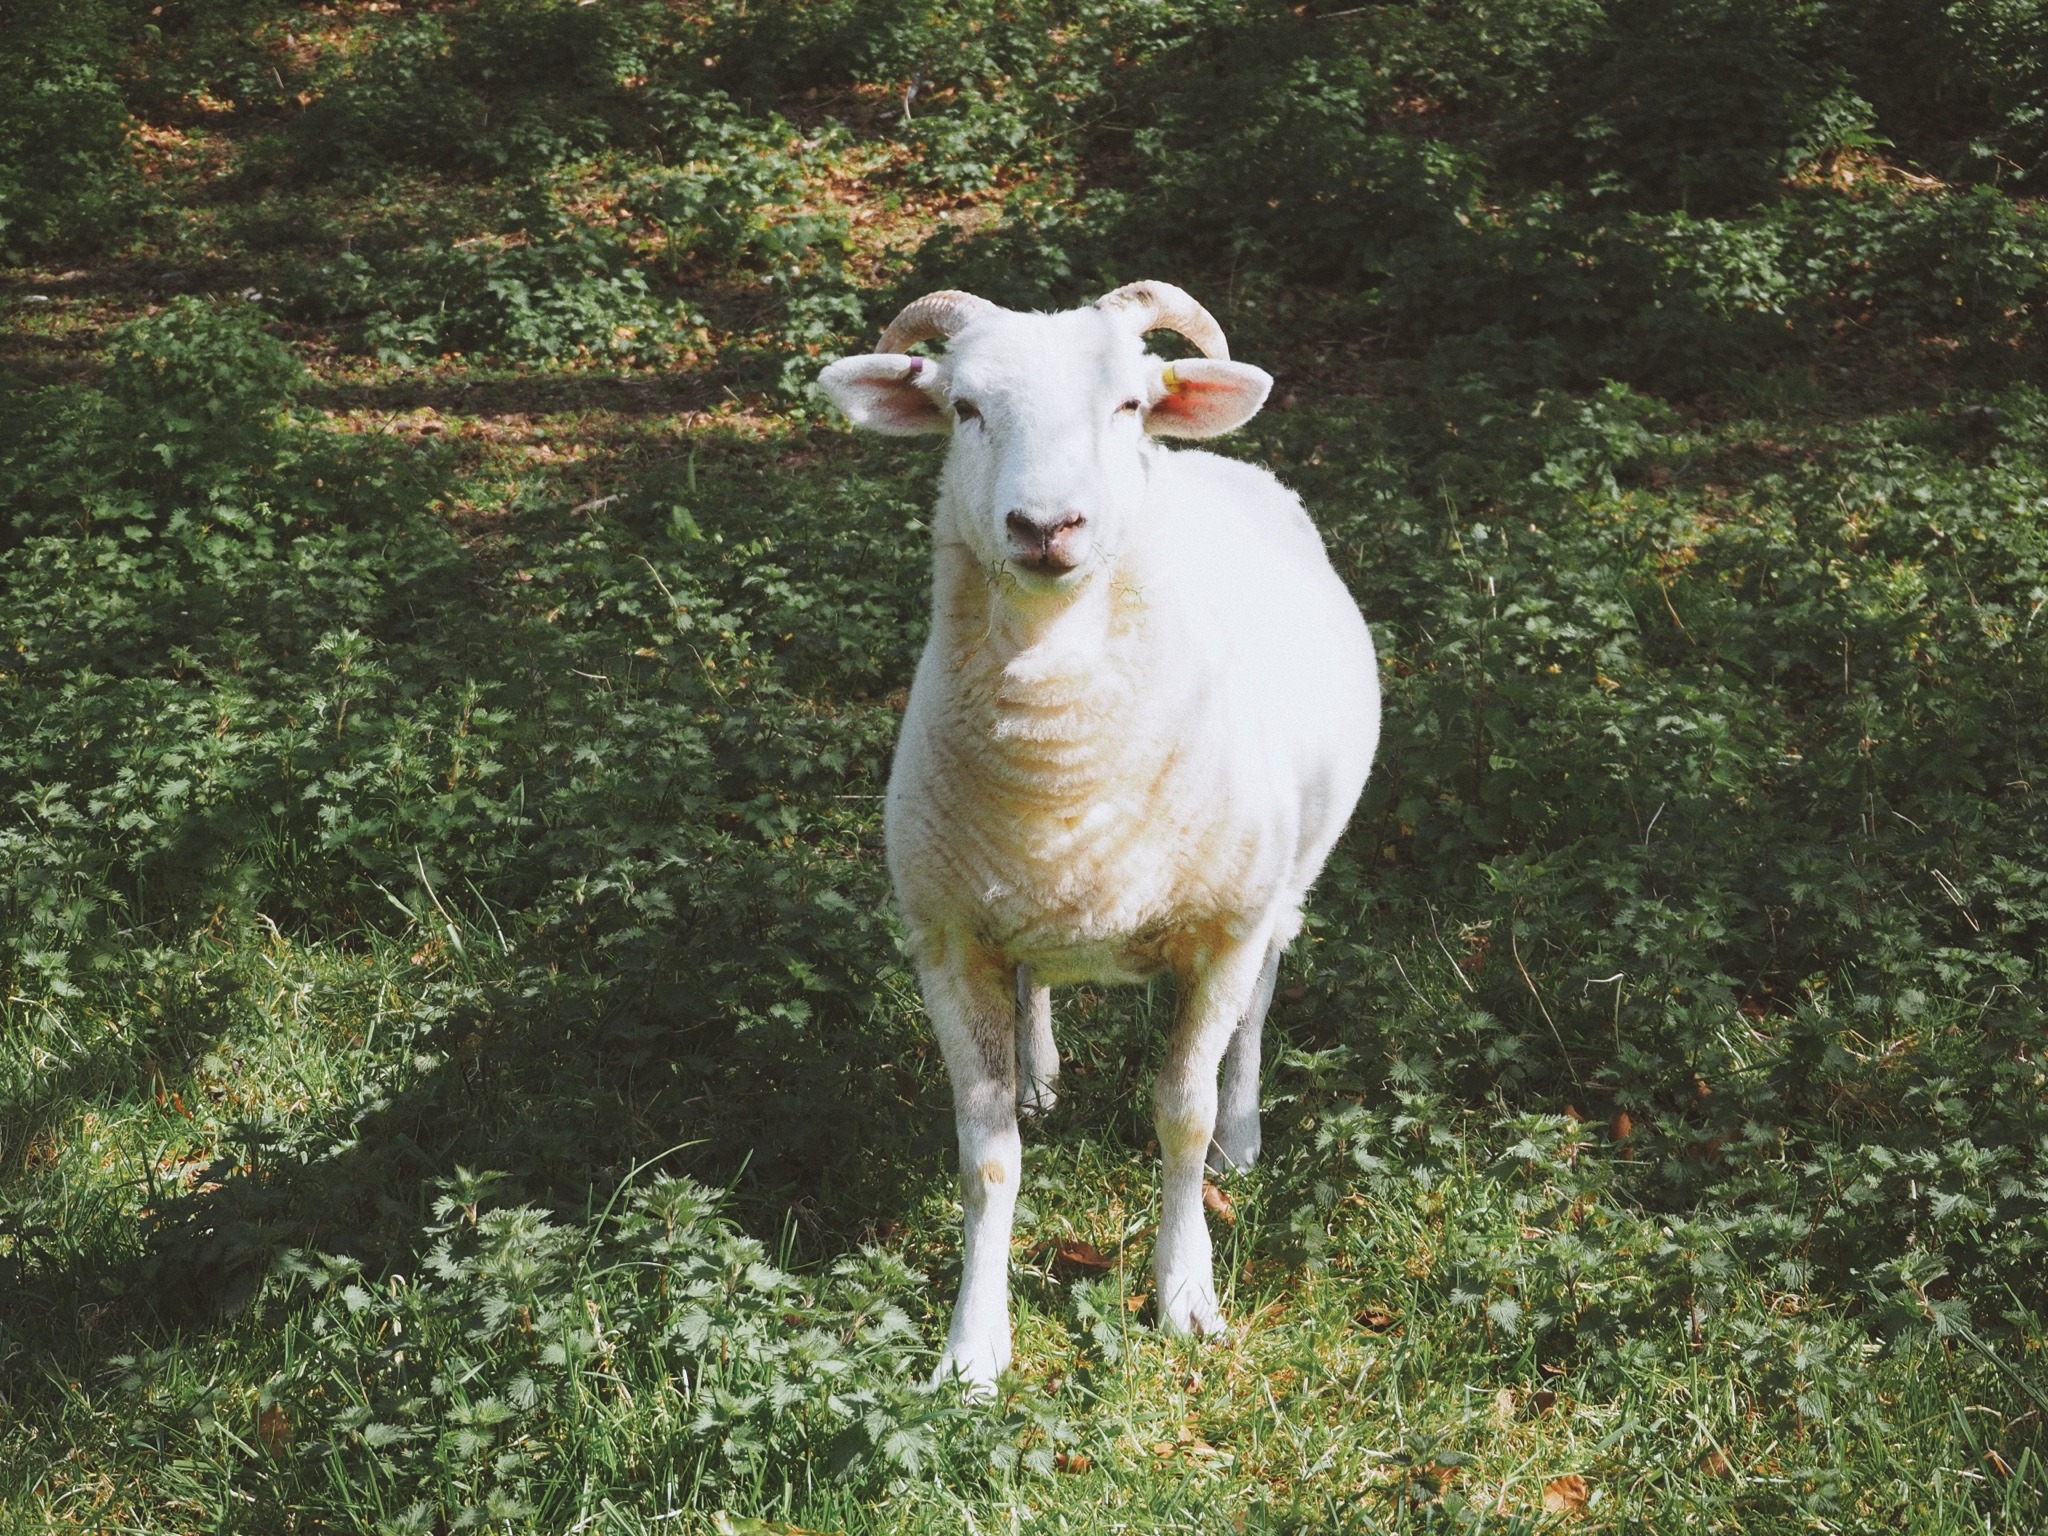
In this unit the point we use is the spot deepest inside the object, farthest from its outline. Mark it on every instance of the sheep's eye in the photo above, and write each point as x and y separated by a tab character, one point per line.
1130	406
967	410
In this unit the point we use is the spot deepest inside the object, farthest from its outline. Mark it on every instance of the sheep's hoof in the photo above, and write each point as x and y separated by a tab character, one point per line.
1232	1150
1192	1309
975	1370
1037	1096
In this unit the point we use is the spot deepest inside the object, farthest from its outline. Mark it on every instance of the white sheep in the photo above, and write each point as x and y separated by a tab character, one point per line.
1142	719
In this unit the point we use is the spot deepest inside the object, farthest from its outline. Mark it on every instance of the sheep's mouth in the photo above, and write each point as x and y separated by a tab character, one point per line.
1045	564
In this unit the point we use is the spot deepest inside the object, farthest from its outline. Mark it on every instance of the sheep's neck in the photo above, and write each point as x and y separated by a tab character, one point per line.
1053	687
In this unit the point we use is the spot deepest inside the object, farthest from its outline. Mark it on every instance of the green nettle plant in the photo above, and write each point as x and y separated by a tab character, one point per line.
520	1330
67	181
550	286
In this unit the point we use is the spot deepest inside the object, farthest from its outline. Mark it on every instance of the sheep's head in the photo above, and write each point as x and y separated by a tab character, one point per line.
1050	415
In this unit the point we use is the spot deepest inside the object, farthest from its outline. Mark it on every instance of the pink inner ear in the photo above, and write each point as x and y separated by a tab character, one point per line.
899	400
1199	402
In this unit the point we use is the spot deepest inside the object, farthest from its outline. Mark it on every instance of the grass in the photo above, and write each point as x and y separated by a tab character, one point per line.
457	1071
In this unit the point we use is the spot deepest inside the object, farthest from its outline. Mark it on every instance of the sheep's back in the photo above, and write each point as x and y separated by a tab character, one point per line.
1280	631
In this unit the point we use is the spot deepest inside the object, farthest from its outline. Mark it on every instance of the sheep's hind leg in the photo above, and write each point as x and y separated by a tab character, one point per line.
970	1003
1237	1139
1038	1056
1213	1004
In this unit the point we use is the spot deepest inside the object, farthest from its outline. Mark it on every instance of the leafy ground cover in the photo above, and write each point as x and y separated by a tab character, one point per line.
456	1068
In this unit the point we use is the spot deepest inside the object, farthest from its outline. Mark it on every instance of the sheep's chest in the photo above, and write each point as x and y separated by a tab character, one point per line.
1077	823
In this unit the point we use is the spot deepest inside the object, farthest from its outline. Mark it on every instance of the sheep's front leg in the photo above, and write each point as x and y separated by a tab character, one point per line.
1214	1001
970	998
1237	1139
1038	1057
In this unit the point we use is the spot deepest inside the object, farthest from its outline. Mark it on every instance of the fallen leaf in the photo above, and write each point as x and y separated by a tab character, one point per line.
1071	1461
274	1429
1375	1318
1162	1448
1623	1126
1714	1464
746	1525
1566	1495
1218	1202
1294	994
1997	1464
1075	1254
1504	1407
1137	1303
1542	1400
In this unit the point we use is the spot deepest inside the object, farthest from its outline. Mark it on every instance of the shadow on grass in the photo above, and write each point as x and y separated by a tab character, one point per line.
828	1135
830	1154
665	394
726	1002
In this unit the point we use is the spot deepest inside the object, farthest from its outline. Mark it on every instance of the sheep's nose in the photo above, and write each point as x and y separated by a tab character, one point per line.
1045	545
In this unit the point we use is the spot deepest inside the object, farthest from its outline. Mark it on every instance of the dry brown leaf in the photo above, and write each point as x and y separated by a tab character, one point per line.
746	1525
1542	1400
1376	1318
1071	1461
1566	1495
1075	1254
1714	1464
1218	1202
1623	1126
274	1429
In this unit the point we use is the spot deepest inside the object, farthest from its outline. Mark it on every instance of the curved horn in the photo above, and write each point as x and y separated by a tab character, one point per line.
934	315
1163	307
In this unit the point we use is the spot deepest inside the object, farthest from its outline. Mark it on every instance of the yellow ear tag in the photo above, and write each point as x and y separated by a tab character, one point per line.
1170	379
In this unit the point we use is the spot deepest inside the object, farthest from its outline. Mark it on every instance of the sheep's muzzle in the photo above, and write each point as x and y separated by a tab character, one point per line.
1047	547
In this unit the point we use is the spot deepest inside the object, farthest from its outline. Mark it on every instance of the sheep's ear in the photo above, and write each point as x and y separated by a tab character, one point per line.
1203	397
888	392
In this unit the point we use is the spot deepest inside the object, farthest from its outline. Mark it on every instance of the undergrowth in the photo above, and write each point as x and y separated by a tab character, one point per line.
456	1066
